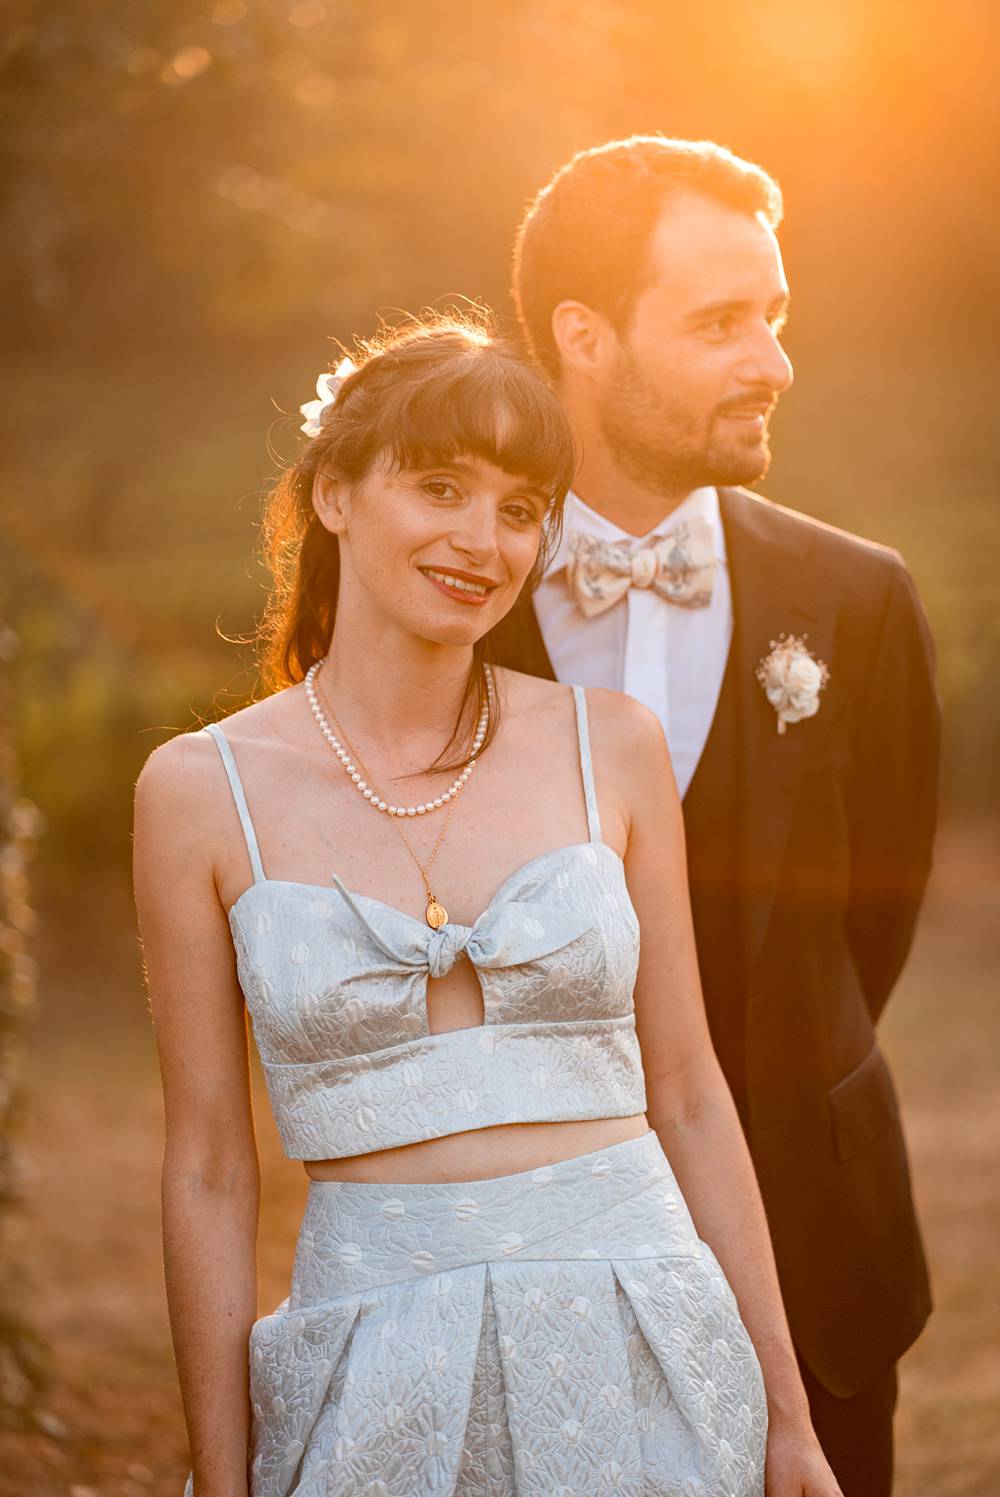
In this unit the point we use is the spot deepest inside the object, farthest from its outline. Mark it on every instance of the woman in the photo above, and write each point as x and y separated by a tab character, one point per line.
498	1285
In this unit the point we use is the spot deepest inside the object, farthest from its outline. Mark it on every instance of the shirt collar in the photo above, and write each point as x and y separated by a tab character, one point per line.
578	516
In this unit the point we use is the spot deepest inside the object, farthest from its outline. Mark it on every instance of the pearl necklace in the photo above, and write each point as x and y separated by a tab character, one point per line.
372	796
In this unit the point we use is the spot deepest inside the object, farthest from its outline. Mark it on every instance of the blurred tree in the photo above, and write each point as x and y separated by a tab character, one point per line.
195	197
21	1355
246	166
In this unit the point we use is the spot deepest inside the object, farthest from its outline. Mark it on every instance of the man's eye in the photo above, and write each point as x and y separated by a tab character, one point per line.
719	327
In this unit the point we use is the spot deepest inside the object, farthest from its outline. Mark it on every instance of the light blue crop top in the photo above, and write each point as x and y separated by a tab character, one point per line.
336	986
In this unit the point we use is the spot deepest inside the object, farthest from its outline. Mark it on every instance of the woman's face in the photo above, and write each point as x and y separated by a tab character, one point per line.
441	551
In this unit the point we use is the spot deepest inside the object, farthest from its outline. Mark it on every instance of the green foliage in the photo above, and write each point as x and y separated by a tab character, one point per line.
200	195
21	1355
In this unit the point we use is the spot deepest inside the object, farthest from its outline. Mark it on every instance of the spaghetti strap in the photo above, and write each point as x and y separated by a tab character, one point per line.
586	765
239	796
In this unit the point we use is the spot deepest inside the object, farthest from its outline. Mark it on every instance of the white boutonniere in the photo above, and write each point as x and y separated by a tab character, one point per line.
792	679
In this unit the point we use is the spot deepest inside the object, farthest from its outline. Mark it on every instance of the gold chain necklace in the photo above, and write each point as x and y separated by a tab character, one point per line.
436	915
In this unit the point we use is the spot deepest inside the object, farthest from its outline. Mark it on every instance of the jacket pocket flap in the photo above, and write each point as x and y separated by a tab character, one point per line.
862	1104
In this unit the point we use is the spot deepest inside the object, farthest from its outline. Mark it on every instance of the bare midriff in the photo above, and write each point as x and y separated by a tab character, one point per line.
481	1153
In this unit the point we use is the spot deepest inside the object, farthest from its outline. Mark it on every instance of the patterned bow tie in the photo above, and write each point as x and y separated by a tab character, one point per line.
679	565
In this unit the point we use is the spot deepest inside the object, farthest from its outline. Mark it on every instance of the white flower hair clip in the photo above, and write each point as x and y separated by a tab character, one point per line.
792	679
327	390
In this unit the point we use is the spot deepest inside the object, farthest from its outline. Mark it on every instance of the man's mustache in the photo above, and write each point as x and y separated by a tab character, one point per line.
762	400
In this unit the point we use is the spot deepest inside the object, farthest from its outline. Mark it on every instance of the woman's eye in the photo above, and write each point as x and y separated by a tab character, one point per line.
439	488
524	514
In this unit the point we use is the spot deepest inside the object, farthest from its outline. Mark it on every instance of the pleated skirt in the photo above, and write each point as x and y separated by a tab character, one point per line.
561	1332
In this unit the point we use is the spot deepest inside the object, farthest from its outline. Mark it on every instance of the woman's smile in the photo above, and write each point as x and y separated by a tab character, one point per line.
460	587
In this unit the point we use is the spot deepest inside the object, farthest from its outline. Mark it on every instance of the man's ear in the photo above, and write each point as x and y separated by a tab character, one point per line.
585	338
330	498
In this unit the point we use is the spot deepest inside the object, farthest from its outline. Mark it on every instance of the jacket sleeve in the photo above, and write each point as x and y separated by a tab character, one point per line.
893	792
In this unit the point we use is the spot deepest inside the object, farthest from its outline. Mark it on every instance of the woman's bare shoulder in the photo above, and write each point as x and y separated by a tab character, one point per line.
620	724
629	749
626	739
528	699
271	716
184	773
521	686
616	721
180	779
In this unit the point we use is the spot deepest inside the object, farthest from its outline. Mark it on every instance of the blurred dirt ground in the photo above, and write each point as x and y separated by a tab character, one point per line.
87	1247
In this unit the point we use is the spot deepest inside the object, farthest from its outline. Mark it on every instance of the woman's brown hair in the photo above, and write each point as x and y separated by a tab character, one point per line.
429	391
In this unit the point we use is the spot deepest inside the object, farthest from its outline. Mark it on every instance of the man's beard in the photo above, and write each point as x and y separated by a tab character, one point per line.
662	447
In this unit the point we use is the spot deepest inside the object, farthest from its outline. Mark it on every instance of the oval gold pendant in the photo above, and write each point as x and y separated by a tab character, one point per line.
437	915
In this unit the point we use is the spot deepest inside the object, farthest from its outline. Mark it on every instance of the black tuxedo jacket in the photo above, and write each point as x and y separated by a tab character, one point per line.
808	853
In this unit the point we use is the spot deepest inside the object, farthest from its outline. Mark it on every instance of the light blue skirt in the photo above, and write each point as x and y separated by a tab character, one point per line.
561	1332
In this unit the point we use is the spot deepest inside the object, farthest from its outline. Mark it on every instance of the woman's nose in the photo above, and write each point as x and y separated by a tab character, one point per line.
475	534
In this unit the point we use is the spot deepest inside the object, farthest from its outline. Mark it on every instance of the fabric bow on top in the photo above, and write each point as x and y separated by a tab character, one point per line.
679	565
512	931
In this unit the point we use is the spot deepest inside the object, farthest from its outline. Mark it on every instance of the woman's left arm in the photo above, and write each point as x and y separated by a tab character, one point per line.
689	1104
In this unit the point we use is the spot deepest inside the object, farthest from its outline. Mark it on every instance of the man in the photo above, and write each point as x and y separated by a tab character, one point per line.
791	667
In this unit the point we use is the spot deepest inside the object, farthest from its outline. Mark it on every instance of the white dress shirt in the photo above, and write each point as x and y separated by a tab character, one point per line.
670	658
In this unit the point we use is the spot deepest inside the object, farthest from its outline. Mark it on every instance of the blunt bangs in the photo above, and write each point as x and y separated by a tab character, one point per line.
484	406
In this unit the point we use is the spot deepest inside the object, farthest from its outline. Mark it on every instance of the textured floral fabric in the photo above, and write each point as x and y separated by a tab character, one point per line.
556	1333
560	1332
336	986
679	565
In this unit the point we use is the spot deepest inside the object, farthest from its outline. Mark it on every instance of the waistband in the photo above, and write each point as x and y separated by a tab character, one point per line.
617	1202
543	1071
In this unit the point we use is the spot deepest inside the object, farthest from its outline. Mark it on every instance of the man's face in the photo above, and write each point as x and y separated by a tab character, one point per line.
699	367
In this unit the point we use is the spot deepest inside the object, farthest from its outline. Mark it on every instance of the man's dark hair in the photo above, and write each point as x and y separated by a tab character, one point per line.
586	235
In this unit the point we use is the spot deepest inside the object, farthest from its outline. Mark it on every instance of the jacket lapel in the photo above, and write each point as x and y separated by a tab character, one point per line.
772	595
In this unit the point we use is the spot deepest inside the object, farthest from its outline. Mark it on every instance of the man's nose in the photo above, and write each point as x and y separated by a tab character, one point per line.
768	363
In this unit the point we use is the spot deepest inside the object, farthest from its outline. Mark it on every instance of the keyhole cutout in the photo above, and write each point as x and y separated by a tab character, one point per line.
455	1001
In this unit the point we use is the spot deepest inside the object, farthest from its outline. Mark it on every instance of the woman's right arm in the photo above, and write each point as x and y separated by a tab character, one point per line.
210	1171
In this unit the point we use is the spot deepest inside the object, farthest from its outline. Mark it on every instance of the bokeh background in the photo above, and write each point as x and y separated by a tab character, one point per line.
195	199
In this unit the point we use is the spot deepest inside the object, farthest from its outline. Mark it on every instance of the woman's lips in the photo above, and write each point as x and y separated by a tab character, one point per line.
458	593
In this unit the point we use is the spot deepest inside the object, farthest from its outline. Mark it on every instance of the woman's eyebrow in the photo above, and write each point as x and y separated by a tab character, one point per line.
527	486
452	464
